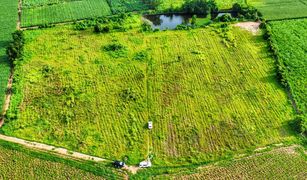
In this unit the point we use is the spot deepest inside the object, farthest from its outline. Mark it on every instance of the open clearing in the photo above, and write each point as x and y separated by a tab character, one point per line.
210	94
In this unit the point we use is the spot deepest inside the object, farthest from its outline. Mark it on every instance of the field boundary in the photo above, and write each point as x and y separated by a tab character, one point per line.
45	147
285	19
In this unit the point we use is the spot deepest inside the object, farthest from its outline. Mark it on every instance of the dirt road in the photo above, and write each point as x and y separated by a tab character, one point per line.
45	147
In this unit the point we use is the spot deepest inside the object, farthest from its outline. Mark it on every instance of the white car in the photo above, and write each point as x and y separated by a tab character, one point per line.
150	125
145	164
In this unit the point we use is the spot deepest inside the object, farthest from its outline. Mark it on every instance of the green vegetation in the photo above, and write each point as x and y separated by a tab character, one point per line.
288	42
8	21
281	163
209	92
22	163
175	4
62	11
119	6
281	9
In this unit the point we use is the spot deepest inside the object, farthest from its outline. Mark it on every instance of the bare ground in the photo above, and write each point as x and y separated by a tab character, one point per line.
252	27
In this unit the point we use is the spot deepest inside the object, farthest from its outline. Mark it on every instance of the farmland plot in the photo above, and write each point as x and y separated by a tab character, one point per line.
207	96
282	163
62	12
8	21
290	39
281	9
21	163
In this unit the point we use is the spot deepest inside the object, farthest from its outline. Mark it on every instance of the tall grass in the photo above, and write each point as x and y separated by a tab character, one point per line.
209	92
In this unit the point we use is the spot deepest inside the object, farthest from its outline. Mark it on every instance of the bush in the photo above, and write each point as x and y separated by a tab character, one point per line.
15	48
225	18
101	28
146	27
203	7
116	50
81	25
246	12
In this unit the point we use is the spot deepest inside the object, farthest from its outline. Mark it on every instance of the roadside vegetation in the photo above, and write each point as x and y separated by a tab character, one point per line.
23	163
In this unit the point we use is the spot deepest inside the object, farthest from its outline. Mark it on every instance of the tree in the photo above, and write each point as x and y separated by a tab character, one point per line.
15	48
194	19
203	7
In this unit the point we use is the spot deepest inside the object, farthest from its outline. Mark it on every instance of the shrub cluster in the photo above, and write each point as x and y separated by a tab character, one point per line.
115	50
104	24
203	7
15	48
248	12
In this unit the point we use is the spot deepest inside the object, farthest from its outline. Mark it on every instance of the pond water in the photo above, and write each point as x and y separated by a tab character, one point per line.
167	21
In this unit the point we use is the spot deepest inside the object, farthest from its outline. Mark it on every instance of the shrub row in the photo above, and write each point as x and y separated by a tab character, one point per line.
15	48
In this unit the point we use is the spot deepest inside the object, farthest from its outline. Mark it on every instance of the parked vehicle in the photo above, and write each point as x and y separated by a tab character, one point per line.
150	125
145	164
118	164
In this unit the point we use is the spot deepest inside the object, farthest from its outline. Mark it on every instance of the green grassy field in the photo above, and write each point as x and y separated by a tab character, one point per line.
17	162
8	20
281	9
281	163
290	37
118	6
62	11
209	93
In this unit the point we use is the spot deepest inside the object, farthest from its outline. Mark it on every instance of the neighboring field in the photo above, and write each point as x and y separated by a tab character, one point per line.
222	4
282	163
95	93
281	9
62	11
8	21
118	6
21	163
290	37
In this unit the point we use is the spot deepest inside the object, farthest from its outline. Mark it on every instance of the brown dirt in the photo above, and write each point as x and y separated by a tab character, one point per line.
132	169
252	27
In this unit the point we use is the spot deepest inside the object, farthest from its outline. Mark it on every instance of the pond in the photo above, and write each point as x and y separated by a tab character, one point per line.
167	21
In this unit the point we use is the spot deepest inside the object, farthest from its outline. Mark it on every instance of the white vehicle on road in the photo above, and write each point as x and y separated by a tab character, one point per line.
145	164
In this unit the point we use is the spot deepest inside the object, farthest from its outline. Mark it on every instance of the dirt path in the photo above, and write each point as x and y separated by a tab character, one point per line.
252	27
54	149
7	99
